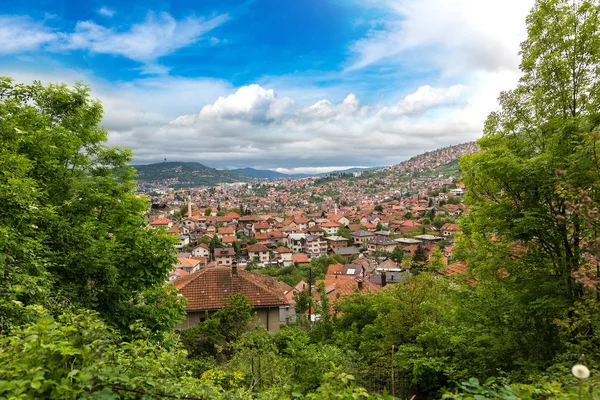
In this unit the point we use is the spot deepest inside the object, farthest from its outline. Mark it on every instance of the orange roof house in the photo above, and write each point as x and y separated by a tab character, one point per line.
207	290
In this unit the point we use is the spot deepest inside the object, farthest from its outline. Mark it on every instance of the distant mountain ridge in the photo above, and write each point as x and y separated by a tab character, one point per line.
179	174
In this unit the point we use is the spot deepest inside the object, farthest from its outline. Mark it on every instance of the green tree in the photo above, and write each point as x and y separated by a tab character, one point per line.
537	142
420	258
397	254
71	226
535	153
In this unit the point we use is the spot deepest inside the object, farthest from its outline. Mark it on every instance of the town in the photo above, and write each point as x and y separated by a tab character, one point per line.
371	229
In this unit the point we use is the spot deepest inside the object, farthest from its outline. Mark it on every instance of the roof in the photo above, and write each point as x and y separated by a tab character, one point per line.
350	287
229	239
226	251
381	241
345	251
330	224
208	288
334	269
186	262
282	250
300	258
257	248
161	221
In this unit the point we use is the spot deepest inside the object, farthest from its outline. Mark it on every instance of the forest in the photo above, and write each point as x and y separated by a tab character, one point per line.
85	312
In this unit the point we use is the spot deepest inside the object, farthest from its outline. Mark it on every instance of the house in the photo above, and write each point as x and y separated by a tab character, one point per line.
346	252
296	242
315	246
261	227
336	241
361	237
330	228
285	256
161	223
300	258
388	276
208	289
449	229
224	256
258	253
202	250
381	244
229	240
187	264
182	241
225	232
349	287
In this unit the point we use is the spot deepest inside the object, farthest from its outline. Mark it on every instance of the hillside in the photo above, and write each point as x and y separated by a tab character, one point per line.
178	174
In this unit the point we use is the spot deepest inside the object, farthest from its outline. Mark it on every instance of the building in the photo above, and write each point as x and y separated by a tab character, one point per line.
258	253
224	256
381	244
361	237
207	291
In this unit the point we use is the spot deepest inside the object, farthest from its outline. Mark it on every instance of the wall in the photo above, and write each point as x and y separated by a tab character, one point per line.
270	315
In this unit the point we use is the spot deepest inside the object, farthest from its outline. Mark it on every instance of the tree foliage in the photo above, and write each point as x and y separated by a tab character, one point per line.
72	228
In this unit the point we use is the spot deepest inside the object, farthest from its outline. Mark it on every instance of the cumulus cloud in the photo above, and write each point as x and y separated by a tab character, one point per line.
425	98
248	103
21	34
252	126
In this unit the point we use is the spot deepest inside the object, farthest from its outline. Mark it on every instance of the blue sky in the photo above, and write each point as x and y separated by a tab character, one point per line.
293	85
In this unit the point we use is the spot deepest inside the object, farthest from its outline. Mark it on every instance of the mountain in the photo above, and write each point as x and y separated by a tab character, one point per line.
178	174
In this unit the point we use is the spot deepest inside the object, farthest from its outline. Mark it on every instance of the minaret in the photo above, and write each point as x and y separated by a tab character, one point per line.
190	206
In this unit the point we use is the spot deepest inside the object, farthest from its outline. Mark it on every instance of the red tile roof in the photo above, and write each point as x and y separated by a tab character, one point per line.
161	221
257	248
229	239
300	258
206	289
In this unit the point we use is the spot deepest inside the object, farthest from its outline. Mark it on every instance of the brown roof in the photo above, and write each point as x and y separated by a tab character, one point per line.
229	239
282	250
257	248
300	258
206	289
161	221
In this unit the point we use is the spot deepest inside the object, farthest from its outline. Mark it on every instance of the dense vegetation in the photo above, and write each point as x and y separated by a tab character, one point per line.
84	312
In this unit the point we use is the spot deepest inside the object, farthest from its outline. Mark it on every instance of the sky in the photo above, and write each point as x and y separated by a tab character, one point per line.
288	85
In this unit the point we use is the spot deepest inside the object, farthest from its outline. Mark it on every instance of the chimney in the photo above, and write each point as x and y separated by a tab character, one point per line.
360	284
234	269
383	279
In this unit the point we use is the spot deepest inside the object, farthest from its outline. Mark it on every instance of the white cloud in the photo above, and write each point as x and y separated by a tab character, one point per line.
21	34
454	36
315	170
159	35
107	12
252	103
242	129
426	97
